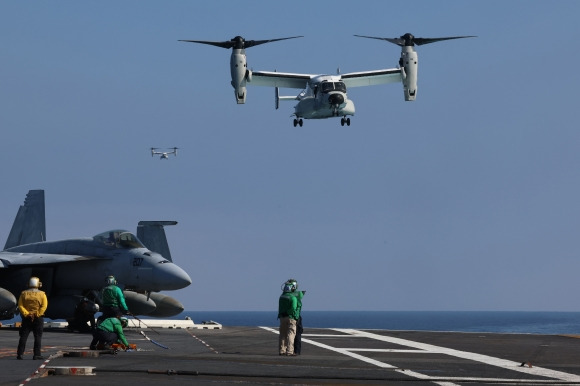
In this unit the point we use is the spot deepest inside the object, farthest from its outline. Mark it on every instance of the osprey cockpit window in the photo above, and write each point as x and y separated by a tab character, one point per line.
332	86
119	239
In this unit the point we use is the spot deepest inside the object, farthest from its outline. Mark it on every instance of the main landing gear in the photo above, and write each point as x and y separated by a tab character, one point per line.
344	120
298	122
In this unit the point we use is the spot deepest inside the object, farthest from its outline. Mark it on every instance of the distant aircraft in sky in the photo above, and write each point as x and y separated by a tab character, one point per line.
163	154
75	268
322	96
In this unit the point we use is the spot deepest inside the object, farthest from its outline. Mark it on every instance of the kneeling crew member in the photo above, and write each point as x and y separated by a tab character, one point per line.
110	331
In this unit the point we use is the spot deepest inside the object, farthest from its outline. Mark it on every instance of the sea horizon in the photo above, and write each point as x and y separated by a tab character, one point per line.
518	322
532	322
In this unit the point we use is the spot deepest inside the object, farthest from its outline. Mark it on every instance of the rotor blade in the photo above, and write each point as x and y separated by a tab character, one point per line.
397	41
226	44
252	43
410	40
238	42
421	41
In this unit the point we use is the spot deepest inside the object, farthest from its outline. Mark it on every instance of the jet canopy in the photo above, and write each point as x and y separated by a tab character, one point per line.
119	238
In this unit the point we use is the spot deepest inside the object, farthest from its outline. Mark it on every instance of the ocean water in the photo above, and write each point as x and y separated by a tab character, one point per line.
463	321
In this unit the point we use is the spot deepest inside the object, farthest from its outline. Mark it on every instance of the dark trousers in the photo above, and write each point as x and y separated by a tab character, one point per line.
31	325
298	337
103	337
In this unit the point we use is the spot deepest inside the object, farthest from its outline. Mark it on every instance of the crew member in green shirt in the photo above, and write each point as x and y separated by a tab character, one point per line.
110	331
288	313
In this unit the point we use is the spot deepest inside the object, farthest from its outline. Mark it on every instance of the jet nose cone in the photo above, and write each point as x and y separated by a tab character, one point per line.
336	99
171	277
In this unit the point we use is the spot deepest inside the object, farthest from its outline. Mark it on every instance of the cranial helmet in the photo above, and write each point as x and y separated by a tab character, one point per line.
34	282
124	321
290	285
111	280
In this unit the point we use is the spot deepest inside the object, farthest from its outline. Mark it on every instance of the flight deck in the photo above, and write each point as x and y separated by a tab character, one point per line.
249	355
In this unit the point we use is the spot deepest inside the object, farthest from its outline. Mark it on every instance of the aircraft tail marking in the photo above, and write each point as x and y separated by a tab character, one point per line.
29	225
152	234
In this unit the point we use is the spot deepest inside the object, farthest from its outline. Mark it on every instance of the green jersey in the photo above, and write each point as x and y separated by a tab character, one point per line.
114	325
288	306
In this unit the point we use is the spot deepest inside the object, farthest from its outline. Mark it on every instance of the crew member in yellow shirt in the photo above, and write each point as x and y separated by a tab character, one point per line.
32	304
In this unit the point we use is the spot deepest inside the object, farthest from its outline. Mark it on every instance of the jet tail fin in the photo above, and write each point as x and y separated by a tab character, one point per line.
152	234
29	225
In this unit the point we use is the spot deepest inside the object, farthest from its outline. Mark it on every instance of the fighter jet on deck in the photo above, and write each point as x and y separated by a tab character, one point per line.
75	268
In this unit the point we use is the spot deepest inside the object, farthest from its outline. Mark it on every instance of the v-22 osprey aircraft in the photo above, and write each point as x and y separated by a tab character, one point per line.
323	96
163	154
73	269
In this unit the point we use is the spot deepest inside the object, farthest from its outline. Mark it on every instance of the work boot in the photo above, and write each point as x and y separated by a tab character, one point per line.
19	357
38	357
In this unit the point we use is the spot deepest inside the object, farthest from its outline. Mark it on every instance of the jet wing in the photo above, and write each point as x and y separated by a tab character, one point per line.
8	259
279	79
372	78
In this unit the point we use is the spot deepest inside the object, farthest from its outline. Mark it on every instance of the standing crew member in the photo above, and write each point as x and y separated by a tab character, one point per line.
113	300
288	315
84	313
32	304
299	328
110	331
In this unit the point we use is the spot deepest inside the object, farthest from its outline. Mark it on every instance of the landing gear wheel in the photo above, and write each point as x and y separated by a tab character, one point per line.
342	121
295	122
348	121
300	122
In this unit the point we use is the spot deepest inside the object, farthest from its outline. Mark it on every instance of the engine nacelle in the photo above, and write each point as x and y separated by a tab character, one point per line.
409	63
238	69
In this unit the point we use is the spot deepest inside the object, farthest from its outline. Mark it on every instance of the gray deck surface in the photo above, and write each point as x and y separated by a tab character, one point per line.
249	355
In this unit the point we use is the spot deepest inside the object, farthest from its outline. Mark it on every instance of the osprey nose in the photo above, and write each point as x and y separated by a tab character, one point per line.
335	99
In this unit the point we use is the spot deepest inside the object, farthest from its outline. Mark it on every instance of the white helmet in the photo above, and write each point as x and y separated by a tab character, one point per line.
111	280
34	282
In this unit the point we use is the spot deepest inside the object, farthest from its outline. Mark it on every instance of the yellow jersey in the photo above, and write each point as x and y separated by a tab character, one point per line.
32	301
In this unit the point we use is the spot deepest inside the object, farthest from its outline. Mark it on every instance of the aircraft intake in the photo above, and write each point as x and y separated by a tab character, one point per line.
7	304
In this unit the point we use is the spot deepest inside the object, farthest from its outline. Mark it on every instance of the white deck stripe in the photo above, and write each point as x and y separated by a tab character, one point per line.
498	362
424	348
339	350
366	359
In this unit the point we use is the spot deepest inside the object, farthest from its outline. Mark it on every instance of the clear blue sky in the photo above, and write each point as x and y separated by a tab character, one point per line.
466	199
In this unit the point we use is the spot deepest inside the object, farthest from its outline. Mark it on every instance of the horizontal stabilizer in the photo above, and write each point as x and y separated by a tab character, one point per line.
152	234
29	225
